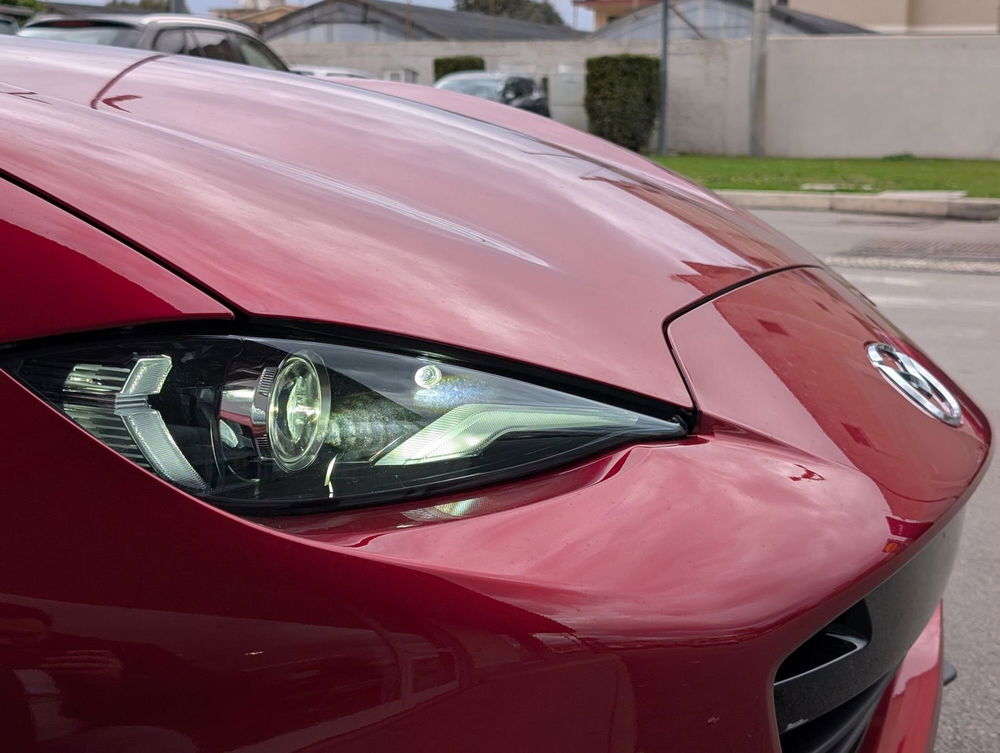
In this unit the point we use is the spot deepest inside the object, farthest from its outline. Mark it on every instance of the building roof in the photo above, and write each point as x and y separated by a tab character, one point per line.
80	9
436	23
255	16
635	4
813	24
644	23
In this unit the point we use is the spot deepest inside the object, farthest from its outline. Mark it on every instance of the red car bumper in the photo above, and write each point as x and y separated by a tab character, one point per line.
906	719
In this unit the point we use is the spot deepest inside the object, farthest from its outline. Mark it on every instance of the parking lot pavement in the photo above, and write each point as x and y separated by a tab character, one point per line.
871	241
956	318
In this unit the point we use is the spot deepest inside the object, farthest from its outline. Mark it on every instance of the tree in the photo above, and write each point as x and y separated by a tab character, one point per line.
537	11
155	6
36	5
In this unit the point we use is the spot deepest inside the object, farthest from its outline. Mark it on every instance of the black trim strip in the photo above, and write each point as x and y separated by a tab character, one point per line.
949	673
840	730
685	377
899	609
729	289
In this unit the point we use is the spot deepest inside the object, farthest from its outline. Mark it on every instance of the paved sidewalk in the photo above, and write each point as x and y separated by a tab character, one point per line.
952	204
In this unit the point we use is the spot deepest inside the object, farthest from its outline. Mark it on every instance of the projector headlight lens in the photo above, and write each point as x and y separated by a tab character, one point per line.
269	426
298	411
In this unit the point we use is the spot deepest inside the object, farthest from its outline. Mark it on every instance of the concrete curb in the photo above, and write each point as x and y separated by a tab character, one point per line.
915	203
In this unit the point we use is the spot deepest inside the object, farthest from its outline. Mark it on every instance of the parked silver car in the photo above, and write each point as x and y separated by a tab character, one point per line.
174	33
8	25
515	90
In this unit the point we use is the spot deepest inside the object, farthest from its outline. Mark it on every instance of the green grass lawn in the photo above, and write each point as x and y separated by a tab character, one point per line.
977	177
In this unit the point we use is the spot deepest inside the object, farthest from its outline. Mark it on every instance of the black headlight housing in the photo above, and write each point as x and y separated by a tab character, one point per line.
283	424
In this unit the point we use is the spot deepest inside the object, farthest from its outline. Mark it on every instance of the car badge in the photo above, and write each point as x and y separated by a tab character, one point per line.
916	383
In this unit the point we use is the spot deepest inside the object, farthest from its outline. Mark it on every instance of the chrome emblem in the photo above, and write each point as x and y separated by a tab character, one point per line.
916	383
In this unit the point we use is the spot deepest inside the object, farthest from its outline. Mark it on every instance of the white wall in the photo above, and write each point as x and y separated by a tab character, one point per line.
709	106
869	97
826	96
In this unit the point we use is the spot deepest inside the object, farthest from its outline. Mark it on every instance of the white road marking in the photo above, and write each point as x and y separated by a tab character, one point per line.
926	265
875	279
930	303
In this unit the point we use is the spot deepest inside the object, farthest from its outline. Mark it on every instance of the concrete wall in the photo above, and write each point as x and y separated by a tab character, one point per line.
539	58
826	96
708	110
868	97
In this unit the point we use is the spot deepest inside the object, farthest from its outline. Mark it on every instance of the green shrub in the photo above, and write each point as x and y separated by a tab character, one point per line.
622	98
457	63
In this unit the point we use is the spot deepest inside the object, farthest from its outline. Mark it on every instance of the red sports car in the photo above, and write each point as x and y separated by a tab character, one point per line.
367	417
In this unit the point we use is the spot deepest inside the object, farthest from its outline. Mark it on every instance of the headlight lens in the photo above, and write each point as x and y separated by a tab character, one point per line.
298	411
264	426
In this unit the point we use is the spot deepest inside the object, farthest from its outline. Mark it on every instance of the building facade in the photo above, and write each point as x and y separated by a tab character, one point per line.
606	11
910	16
881	16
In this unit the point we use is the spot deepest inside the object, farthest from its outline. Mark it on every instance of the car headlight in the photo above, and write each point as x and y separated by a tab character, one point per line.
263	426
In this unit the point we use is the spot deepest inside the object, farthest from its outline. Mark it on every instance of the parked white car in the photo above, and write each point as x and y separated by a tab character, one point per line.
322	72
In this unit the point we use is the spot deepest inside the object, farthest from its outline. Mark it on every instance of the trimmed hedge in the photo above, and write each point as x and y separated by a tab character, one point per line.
622	98
456	64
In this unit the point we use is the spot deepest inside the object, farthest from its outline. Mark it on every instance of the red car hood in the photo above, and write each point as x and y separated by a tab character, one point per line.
411	210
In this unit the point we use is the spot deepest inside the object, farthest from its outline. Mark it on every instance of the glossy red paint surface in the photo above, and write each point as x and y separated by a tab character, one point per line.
797	341
448	229
639	601
906	720
62	275
237	635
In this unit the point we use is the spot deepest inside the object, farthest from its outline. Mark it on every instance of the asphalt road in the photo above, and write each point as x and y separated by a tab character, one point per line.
956	318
